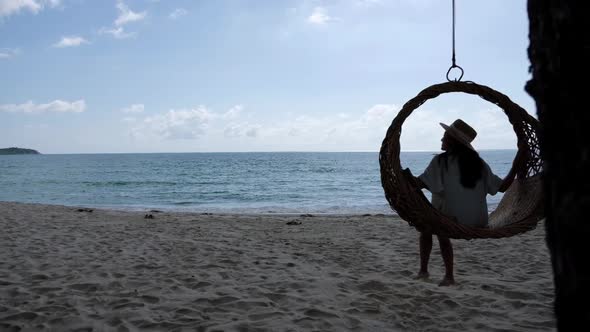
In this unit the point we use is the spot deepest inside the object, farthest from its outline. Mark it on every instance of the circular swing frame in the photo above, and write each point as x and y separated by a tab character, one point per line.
521	207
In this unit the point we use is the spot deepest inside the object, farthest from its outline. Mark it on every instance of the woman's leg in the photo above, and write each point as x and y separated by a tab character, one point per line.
425	249
446	249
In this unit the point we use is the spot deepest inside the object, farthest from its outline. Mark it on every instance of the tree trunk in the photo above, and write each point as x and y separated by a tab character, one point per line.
559	52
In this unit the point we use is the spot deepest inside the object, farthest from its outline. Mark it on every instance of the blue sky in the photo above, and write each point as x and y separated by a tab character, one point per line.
89	76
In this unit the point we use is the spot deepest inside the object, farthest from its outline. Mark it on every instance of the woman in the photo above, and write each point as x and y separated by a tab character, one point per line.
459	181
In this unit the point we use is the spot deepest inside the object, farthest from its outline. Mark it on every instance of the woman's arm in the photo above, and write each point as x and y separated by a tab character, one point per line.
518	160
507	182
416	181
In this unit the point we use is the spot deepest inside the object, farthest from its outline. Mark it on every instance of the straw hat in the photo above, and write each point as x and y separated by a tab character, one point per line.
462	132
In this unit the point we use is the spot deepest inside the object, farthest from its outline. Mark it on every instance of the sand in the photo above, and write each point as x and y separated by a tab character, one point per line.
63	269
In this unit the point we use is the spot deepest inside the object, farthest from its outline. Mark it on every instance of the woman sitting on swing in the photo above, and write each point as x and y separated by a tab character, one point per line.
459	181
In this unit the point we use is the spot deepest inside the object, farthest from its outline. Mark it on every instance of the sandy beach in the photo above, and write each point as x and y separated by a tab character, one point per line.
66	268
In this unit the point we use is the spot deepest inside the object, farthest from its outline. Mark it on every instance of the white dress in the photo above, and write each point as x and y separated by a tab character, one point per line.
468	205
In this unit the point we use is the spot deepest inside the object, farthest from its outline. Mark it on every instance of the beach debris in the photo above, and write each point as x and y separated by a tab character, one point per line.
294	222
367	215
306	215
155	211
206	214
85	210
149	216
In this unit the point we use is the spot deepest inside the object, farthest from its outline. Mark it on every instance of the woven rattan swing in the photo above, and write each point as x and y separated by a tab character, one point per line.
521	207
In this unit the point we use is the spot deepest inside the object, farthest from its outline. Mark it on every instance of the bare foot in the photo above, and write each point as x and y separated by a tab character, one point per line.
422	275
447	282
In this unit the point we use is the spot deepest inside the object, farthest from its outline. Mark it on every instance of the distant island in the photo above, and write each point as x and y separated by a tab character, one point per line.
18	151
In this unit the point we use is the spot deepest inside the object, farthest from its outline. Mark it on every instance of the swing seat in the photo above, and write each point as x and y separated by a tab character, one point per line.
521	207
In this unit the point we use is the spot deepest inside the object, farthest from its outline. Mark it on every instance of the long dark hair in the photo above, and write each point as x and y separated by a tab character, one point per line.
470	164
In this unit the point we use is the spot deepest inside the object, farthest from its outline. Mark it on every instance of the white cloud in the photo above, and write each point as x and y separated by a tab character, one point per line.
70	42
126	15
381	112
233	112
6	53
177	13
334	132
241	129
252	131
135	108
174	124
363	130
9	7
58	106
118	33
193	124
319	16
421	130
493	129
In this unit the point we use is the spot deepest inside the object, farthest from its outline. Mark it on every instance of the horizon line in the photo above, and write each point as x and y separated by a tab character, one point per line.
278	151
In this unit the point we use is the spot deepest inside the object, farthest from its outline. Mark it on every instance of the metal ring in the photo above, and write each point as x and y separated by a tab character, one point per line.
449	71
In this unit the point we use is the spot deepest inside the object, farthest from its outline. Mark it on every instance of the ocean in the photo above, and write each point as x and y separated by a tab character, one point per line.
273	182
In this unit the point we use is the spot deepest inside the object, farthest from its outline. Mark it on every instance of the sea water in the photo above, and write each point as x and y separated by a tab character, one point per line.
273	182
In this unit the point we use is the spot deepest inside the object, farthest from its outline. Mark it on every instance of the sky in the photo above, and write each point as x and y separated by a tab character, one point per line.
141	76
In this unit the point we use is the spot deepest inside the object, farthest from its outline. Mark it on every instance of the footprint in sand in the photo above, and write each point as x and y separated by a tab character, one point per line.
223	300
129	305
150	299
39	277
43	290
200	284
317	313
186	311
266	315
373	285
88	287
27	315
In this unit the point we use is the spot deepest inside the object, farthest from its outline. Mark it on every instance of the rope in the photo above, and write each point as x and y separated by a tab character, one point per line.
453	34
454	65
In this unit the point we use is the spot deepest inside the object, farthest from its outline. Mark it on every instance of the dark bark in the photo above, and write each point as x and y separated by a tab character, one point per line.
559	52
